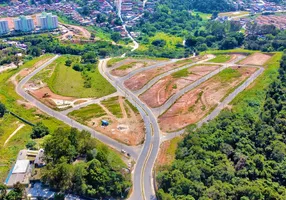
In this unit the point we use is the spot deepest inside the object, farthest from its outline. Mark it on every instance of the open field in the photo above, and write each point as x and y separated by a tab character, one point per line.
137	81
9	124
256	59
197	103
222	58
160	92
234	14
67	82
171	40
128	65
125	122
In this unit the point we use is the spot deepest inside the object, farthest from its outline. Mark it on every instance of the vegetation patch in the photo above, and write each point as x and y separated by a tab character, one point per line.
112	104
227	74
112	61
85	114
128	66
221	58
181	73
66	81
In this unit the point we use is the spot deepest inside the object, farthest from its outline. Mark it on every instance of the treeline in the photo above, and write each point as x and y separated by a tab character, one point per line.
37	44
216	35
207	6
265	38
78	164
236	156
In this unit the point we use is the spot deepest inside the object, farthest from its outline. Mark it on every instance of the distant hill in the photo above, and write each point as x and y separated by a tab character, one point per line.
208	6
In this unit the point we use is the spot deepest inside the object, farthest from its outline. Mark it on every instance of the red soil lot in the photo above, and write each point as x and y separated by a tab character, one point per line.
256	59
138	81
161	91
197	103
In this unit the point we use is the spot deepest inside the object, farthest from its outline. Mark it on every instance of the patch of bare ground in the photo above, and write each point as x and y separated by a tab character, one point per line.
197	103
137	81
167	153
129	129
46	96
161	91
256	59
132	64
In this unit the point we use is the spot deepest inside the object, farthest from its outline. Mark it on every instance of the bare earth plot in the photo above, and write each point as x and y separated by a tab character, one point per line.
197	103
46	96
256	59
128	65
139	80
125	122
160	92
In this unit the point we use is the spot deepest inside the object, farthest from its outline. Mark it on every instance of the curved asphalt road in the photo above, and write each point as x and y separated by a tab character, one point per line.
114	144
142	176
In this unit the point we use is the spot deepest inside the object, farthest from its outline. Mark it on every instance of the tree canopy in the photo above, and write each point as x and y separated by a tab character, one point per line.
79	164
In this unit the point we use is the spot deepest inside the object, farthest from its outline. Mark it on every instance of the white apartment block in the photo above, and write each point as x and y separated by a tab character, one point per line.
25	24
4	28
47	21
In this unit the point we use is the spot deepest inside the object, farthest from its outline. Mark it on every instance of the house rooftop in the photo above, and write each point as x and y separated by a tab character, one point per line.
21	166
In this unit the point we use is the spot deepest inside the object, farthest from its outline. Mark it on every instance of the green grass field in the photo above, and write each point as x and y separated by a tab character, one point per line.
84	114
112	61
113	106
68	82
8	124
181	73
222	58
204	16
227	74
171	40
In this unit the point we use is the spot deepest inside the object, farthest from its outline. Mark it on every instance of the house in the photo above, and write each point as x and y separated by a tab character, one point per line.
22	170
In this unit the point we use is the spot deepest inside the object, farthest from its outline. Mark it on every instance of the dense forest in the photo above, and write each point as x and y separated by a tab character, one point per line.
37	44
208	6
81	165
236	156
265	38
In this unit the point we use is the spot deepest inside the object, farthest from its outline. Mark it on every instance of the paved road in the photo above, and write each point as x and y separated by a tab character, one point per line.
142	176
124	78
112	143
89	102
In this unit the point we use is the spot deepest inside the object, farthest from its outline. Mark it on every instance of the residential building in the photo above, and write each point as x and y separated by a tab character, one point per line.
47	21
4	27
22	170
23	23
